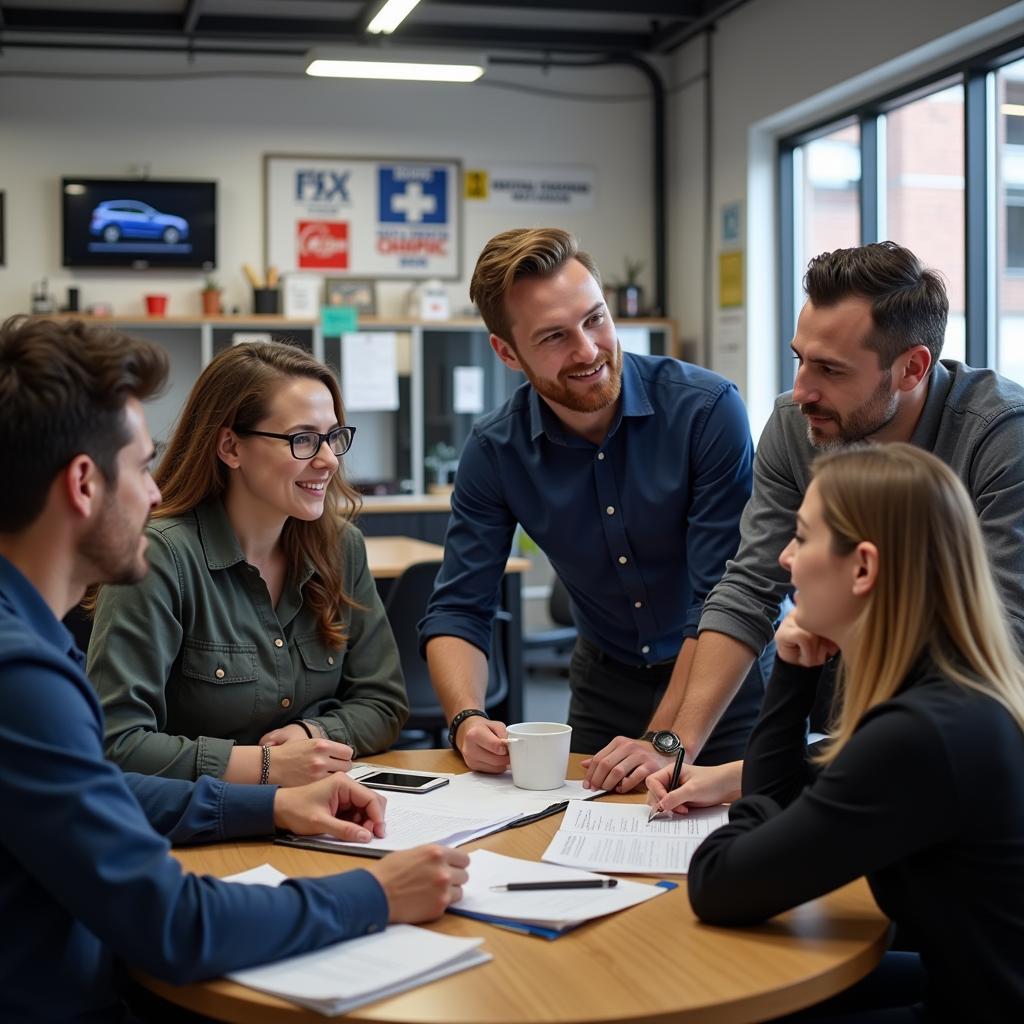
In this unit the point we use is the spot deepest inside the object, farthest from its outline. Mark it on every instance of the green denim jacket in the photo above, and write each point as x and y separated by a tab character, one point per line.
195	658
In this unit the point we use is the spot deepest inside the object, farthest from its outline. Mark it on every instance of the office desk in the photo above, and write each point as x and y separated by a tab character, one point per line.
654	962
389	557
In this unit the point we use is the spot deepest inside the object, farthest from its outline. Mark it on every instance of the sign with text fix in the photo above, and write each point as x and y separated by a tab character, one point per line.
376	218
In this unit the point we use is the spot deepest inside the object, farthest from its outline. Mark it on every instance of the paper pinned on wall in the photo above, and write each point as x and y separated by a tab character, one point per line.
468	389
634	339
369	371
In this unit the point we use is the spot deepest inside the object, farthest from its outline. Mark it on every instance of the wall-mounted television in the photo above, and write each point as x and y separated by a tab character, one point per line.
139	224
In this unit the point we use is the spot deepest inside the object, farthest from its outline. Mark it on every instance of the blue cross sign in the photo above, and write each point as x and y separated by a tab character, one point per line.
413	194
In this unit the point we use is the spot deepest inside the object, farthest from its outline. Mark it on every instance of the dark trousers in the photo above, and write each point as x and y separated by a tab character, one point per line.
612	699
891	994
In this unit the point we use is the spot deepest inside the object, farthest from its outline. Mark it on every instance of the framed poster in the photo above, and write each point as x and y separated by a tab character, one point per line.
368	217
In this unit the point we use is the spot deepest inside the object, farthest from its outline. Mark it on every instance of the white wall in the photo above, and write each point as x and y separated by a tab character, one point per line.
220	127
778	66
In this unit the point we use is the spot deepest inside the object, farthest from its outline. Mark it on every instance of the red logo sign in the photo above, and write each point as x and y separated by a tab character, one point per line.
323	243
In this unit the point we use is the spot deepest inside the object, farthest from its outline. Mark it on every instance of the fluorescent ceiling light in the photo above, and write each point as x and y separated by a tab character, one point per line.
398	65
391	15
1013	109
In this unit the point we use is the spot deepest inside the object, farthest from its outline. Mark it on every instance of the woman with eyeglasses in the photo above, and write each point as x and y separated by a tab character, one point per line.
921	787
257	648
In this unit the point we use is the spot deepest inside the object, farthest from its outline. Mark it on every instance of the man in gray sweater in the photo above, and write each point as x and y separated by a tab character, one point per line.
867	347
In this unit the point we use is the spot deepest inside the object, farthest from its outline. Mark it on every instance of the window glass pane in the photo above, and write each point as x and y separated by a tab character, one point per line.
1010	220
924	193
827	195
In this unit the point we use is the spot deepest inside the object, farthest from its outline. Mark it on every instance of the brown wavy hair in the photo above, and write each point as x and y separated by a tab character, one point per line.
512	255
235	391
935	592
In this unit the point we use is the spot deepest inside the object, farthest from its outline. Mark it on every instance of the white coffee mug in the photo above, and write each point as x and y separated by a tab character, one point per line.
539	752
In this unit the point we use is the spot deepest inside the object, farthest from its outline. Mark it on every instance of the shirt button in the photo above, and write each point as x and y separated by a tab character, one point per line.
330	659
219	673
286	703
645	649
279	642
638	604
610	510
623	559
600	456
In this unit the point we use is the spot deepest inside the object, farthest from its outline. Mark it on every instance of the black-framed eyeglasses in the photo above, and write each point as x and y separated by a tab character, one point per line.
306	443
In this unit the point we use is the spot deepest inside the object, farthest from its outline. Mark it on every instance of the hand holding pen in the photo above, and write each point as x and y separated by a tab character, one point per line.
676	769
698	786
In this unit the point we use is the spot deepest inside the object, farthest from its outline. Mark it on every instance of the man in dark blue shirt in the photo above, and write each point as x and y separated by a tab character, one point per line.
630	472
85	873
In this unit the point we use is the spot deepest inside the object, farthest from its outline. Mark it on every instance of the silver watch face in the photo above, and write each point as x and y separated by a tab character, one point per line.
666	742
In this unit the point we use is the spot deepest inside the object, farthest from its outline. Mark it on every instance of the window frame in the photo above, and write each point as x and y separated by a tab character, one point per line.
977	75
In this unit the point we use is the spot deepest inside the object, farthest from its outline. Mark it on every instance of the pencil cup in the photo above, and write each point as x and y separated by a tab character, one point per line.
539	752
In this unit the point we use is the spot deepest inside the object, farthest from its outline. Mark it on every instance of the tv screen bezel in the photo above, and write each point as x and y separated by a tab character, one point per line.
127	261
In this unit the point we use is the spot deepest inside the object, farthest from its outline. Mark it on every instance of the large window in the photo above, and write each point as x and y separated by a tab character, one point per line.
938	168
1009	99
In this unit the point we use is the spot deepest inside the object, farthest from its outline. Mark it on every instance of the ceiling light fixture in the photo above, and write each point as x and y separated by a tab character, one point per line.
397	65
390	16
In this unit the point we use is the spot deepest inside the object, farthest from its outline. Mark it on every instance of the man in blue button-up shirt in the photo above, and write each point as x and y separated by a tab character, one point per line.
630	472
85	873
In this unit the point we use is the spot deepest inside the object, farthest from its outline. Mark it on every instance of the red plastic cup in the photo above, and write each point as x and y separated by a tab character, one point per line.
156	305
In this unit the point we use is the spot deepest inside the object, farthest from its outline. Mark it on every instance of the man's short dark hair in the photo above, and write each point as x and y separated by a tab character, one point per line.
63	388
908	301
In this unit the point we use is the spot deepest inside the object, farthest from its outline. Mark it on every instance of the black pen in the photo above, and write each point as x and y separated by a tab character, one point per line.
529	819
676	771
581	883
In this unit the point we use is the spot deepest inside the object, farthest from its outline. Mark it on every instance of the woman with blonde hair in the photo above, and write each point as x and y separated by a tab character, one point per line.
921	787
257	648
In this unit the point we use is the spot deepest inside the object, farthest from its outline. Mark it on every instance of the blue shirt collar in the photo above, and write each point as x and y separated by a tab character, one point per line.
633	401
27	604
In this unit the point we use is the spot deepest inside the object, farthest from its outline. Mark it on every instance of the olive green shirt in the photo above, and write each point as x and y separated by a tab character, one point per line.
196	658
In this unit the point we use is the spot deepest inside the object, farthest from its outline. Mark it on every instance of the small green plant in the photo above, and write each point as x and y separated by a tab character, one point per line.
441	460
633	270
210	284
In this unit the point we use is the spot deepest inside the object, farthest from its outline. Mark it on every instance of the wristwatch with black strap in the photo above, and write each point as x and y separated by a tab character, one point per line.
457	721
664	741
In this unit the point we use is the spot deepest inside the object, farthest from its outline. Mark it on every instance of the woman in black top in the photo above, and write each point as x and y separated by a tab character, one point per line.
921	787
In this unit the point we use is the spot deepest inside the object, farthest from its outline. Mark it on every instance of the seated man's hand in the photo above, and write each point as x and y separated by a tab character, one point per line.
298	762
420	884
622	765
798	647
699	786
334	806
482	745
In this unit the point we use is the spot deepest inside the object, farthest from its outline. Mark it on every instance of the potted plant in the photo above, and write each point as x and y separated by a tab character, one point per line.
629	294
211	297
442	461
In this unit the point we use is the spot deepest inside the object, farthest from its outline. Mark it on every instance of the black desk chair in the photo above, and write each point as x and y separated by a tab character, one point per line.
405	605
546	648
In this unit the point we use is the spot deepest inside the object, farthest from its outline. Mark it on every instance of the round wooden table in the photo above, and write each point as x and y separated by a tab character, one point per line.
654	962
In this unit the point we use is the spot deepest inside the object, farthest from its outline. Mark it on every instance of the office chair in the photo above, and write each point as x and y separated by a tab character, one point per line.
559	640
405	605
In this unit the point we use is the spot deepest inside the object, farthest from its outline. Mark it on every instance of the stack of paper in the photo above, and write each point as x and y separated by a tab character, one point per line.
549	912
339	978
617	837
471	806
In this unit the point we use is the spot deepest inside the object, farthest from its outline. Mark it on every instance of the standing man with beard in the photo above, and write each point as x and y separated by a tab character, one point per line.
630	472
867	347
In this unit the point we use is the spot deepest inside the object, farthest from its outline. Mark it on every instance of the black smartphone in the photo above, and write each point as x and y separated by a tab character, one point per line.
403	782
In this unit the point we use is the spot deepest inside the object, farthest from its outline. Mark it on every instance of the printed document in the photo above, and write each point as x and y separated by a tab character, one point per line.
617	838
348	974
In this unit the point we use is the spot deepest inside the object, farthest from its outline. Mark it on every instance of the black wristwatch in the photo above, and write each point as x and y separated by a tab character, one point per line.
458	720
664	741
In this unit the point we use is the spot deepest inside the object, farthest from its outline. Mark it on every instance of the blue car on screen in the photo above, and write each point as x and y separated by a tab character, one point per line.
117	219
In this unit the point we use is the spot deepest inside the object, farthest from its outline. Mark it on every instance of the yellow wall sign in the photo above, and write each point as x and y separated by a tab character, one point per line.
476	184
730	279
